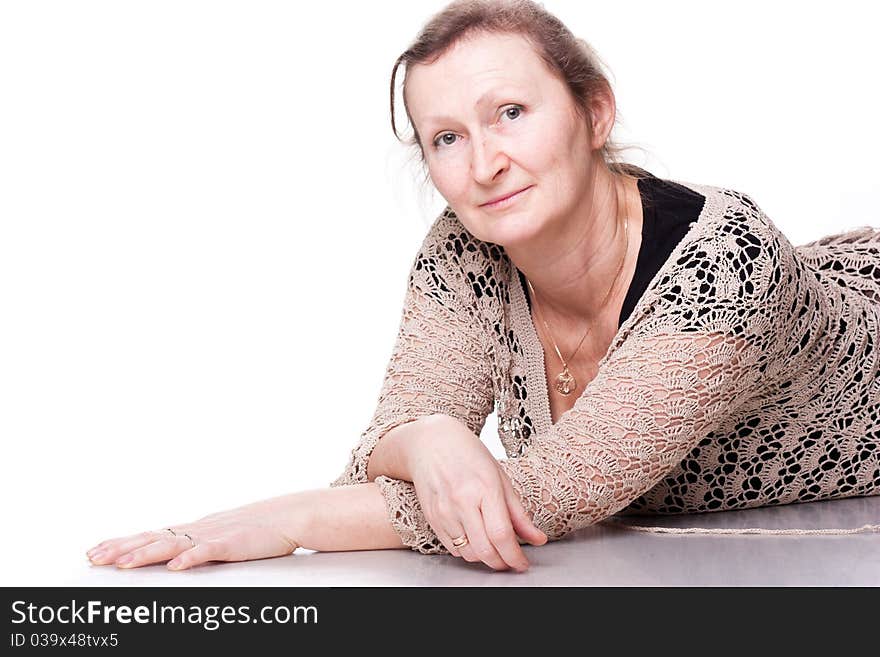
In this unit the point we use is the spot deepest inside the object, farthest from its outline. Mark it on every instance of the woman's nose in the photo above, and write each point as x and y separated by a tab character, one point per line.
488	160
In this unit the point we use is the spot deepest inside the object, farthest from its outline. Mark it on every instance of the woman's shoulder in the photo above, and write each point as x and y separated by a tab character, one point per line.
729	216
733	271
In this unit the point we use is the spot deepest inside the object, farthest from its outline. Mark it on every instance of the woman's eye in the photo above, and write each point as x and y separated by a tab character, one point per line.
437	141
513	108
442	141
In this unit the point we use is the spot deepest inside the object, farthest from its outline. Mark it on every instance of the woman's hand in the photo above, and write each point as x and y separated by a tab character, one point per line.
464	492
254	531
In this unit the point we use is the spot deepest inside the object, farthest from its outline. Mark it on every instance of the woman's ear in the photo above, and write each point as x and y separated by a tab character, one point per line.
602	110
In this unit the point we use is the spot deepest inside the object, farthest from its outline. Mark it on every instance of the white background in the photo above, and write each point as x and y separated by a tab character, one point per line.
206	225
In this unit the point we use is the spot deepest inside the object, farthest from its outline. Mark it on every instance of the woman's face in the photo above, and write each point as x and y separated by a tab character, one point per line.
492	121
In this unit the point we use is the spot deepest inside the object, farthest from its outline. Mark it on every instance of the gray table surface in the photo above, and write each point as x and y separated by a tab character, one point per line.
601	555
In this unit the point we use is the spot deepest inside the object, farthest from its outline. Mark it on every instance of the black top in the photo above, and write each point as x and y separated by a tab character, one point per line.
668	209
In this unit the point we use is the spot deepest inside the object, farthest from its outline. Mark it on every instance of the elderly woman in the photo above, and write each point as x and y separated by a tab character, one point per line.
650	345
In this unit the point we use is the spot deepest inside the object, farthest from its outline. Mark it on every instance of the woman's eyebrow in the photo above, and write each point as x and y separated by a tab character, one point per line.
490	95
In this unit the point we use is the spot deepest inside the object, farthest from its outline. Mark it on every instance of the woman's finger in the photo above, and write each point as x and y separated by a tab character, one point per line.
479	547
109	551
161	550
522	523
500	532
447	538
201	553
449	529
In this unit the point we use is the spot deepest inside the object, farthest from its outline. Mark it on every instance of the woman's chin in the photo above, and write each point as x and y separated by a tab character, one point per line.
501	228
507	231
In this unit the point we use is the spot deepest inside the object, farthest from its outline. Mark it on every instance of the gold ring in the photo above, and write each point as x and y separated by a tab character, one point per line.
460	541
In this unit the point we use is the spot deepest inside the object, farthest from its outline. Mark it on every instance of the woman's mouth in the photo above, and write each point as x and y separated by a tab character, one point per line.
507	201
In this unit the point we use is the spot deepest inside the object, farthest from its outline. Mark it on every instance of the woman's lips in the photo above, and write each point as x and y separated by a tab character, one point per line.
503	203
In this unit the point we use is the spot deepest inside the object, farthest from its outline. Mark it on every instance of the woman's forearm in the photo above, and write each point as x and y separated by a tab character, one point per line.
352	517
355	517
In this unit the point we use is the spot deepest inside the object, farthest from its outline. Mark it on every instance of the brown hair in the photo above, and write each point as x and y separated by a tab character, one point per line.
570	58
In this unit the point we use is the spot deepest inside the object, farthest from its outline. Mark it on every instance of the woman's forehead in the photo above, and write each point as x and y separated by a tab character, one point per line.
473	72
482	55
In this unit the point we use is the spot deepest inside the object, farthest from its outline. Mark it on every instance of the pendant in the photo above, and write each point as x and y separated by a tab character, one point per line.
565	382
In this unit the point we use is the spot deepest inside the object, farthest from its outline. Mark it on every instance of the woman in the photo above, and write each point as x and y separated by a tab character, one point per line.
652	346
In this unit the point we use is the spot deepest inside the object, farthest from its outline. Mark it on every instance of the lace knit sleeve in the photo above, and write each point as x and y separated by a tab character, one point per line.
646	409
703	349
438	364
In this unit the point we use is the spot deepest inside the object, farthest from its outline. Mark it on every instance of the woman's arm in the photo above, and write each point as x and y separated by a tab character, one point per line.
351	517
326	519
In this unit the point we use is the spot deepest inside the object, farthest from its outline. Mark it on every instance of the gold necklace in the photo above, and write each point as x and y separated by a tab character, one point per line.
565	381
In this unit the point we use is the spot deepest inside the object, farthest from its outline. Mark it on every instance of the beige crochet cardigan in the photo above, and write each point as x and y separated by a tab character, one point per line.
746	375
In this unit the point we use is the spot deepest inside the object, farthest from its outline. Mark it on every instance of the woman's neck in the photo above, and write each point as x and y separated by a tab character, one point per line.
574	270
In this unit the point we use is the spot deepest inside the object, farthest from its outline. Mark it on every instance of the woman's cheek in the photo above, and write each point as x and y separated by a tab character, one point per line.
535	146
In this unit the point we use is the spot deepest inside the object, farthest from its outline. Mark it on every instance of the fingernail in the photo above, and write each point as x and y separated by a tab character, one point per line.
124	559
97	555
174	564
